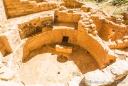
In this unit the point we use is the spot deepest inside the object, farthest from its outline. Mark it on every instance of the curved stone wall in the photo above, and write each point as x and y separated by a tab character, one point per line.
75	37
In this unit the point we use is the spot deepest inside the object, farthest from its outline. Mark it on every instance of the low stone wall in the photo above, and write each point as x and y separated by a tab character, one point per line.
63	15
98	22
119	44
34	26
17	8
72	4
119	30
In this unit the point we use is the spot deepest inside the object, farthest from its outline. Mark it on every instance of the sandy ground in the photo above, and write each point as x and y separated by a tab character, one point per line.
42	66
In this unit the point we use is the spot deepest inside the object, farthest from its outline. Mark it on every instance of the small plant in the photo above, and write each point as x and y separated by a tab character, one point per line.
125	1
119	2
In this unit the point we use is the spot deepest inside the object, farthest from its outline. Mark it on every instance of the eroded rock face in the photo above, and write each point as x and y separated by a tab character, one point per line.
86	26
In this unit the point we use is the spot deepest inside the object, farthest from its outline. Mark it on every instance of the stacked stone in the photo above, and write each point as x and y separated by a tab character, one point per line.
89	25
34	26
85	8
120	43
66	16
4	46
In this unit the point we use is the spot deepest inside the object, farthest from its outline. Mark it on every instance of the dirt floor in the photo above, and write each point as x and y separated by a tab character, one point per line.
41	62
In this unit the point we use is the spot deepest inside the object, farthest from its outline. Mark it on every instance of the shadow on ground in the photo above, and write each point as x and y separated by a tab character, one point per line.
81	57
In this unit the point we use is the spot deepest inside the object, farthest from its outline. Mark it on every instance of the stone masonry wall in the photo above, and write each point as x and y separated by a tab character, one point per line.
17	8
98	22
34	26
120	43
72	4
64	16
119	30
108	30
2	13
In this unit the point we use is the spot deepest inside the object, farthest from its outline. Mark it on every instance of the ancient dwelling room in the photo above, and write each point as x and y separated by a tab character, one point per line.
63	42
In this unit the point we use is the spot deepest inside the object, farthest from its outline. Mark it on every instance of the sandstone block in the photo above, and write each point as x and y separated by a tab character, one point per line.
70	11
64	49
87	26
94	33
119	52
32	2
90	20
9	6
120	44
58	47
11	11
93	26
87	23
85	9
51	7
89	30
113	45
85	19
81	26
69	50
125	42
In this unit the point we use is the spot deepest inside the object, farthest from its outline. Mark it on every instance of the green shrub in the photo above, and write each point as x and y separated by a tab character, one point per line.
119	2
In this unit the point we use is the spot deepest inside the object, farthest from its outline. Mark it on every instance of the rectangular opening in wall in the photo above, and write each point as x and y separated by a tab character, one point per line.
65	39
